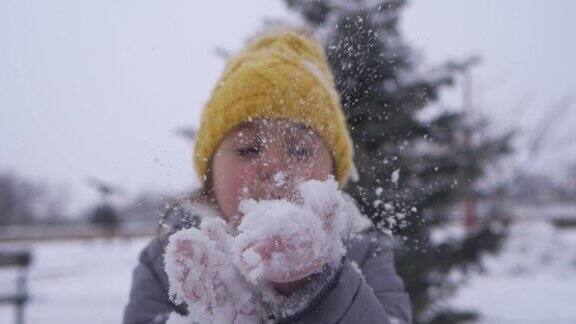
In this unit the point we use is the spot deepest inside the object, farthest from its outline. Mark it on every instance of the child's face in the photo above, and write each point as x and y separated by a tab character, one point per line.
266	159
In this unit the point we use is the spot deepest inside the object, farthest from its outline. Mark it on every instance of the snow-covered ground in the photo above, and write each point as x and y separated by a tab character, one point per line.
533	280
77	281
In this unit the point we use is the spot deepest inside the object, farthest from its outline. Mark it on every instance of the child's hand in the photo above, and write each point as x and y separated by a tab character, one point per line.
282	242
202	275
281	259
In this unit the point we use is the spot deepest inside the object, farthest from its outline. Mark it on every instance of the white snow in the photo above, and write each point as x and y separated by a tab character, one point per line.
279	179
76	281
356	267
532	280
283	241
276	228
200	271
395	176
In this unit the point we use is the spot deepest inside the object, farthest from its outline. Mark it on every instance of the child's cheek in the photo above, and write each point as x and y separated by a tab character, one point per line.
234	187
318	169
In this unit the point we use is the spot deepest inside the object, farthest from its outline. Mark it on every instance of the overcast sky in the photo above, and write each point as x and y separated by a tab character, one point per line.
97	88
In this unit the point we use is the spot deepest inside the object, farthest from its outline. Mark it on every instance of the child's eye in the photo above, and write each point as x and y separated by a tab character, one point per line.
299	151
249	151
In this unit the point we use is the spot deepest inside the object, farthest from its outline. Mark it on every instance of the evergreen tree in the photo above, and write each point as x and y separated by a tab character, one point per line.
413	172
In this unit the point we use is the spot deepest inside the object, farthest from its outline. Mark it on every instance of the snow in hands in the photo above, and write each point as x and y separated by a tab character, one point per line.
283	241
200	274
220	276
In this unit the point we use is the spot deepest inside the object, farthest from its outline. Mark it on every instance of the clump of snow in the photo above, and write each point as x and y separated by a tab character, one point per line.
265	247
356	267
279	179
283	241
395	176
201	274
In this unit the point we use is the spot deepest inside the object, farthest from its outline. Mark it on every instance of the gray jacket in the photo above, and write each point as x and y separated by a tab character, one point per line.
365	289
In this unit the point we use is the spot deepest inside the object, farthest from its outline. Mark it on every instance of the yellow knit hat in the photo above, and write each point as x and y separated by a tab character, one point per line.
281	75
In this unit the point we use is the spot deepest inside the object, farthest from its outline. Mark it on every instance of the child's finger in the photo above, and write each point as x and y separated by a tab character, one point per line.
215	229
191	253
202	275
186	261
283	261
296	266
267	247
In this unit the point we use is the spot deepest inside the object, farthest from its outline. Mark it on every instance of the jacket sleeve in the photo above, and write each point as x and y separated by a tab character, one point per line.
148	301
378	268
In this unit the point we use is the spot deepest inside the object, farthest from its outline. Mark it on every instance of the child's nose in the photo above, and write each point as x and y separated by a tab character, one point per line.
273	162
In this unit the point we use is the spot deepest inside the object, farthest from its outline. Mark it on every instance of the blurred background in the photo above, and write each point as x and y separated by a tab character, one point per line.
462	114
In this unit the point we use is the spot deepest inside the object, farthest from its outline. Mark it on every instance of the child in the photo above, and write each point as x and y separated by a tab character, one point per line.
273	237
